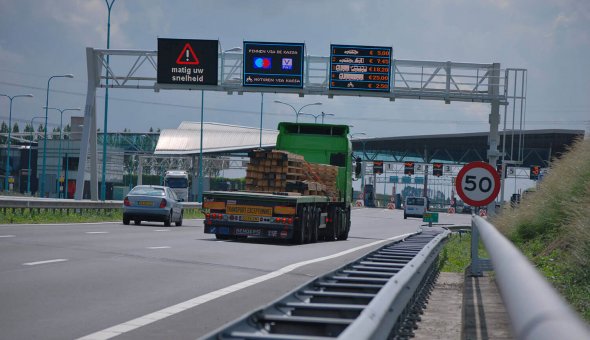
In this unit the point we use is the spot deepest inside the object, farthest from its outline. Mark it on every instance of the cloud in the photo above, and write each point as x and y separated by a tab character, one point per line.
8	57
86	20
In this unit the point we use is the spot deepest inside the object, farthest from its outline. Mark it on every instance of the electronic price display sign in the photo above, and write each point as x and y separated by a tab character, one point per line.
273	64
365	68
187	61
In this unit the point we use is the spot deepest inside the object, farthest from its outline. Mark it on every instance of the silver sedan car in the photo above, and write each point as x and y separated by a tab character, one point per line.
152	203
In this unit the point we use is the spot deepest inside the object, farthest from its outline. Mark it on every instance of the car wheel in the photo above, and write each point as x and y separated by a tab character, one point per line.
179	222
405	217
168	220
126	220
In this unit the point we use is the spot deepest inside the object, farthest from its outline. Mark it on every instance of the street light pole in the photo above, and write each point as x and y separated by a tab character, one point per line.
326	114
61	115
297	112
9	136
42	191
31	151
103	186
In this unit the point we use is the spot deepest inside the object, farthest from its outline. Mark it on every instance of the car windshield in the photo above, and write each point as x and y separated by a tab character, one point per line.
415	201
148	191
177	182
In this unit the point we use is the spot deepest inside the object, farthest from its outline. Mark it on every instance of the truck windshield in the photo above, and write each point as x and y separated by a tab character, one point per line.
177	182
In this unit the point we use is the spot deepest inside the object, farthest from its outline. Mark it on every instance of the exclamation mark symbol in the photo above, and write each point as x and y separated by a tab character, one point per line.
186	55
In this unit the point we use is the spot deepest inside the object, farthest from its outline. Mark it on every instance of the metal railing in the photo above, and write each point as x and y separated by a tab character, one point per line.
378	296
58	205
535	308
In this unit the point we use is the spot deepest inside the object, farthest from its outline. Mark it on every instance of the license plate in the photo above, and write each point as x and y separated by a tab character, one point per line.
251	218
145	203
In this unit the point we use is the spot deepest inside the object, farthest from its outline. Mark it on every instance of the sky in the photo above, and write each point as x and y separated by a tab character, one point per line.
548	38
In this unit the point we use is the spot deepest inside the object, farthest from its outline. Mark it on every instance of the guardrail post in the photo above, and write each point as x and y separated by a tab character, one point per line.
475	263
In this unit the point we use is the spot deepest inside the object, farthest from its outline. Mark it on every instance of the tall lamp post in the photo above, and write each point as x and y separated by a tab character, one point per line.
42	189
9	137
61	116
323	114
297	112
30	152
103	186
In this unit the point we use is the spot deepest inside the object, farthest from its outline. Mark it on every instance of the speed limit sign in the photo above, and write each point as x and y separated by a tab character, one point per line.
478	184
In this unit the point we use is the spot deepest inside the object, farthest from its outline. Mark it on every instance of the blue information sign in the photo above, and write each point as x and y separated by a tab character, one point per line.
273	64
365	68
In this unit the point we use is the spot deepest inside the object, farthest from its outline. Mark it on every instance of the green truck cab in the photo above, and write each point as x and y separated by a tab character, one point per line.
299	218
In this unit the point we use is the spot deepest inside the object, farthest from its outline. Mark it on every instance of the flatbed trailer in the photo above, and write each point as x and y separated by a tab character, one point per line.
301	218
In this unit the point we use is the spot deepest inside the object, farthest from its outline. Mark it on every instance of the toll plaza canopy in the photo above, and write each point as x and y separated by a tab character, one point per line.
217	138
538	146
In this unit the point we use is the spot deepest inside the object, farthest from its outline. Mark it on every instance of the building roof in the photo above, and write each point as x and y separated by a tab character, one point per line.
217	138
539	145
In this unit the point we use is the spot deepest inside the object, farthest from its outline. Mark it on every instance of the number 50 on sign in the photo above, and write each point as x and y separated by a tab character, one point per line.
478	184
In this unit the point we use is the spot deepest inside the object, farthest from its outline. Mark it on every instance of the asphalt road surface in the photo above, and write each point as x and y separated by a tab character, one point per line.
103	280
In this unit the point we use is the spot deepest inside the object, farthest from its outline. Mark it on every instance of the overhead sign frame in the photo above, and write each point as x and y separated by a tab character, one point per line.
187	61
360	68
478	184
273	64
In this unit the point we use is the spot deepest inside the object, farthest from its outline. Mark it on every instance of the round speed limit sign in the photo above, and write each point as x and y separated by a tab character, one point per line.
478	184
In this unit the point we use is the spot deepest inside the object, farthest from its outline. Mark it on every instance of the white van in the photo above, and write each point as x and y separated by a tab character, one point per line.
415	206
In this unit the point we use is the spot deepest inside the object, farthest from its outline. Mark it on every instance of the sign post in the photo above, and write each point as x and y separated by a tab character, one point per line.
478	184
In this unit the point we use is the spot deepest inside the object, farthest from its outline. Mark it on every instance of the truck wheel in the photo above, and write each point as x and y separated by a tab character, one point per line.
314	219
137	222
333	228
299	237
346	227
126	220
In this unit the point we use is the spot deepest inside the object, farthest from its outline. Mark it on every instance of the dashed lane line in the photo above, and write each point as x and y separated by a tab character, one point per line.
44	262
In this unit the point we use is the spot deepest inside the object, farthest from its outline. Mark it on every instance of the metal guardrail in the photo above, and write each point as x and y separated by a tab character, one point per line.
48	204
376	297
535	308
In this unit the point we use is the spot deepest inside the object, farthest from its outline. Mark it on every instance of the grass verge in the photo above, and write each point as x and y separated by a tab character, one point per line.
551	226
49	216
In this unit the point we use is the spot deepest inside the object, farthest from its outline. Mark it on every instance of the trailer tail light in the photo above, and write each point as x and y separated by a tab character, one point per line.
290	220
163	203
328	220
207	216
126	202
217	216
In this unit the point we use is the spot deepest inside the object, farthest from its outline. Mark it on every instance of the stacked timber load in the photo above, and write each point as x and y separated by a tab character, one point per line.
271	171
284	172
327	175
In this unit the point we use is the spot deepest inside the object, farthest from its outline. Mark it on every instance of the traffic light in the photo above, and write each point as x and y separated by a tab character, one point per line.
535	171
377	167
358	167
437	169
409	168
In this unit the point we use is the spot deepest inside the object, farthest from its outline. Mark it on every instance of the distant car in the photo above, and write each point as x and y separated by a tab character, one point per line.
415	207
152	203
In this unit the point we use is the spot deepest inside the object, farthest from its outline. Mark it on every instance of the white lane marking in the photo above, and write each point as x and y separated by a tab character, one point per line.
162	230
97	232
130	325
160	247
7	236
44	262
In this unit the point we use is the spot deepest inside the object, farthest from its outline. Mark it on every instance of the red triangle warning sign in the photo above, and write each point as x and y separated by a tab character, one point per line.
187	56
